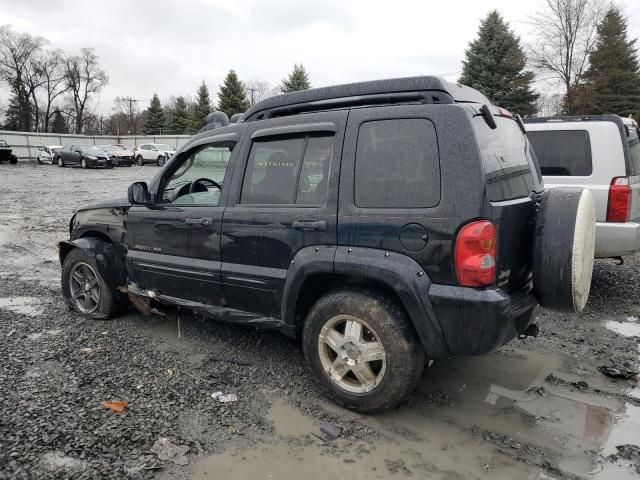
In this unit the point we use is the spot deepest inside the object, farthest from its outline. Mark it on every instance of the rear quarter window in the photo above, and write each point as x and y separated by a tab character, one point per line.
510	166
634	152
563	152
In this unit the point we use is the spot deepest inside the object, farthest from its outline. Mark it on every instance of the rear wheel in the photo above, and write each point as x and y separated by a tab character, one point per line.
362	349
161	160
84	289
140	160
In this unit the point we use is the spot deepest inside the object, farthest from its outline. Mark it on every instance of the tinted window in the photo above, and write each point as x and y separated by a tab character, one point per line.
397	164
288	170
634	152
509	164
563	152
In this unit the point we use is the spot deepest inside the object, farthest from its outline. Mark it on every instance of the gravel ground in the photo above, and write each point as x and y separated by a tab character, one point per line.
538	408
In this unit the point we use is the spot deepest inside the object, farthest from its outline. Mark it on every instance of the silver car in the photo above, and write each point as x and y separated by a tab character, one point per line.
48	154
601	153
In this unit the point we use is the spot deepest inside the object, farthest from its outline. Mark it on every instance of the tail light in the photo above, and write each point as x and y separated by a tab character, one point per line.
619	200
475	254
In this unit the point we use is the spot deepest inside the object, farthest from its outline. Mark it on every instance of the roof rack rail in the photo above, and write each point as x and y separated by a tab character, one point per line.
396	90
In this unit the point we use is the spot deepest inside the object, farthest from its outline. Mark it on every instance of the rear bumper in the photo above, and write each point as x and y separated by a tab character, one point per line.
617	239
478	321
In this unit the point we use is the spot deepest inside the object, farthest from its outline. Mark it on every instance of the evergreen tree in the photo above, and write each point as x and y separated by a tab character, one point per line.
154	117
613	78
232	97
495	65
201	108
59	125
13	115
297	80
179	122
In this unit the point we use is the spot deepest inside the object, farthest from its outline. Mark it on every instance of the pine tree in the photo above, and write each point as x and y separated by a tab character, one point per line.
179	122
59	125
154	117
495	65
613	78
12	116
201	108
232	97
297	80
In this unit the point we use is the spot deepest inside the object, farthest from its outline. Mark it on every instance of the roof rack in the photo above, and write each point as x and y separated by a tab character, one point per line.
575	118
425	89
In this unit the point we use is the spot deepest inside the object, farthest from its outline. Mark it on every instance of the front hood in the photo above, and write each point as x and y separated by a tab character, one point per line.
110	202
123	153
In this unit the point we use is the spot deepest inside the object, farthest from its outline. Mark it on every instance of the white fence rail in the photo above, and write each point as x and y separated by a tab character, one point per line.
25	145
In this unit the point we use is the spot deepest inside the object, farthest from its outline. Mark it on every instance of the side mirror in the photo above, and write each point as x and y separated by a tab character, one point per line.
138	193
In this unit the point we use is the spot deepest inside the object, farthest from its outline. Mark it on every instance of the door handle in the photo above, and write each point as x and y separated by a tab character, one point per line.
199	221
310	225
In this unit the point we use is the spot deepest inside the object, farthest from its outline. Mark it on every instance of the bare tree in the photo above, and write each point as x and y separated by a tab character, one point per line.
565	32
84	78
258	90
129	107
53	83
17	52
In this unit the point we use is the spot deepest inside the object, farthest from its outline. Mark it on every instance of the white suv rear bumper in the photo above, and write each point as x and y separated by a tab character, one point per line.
617	239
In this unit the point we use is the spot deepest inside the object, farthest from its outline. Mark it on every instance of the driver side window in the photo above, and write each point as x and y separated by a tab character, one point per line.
198	179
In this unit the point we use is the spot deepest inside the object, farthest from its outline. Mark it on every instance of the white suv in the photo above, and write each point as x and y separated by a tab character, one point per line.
601	153
157	153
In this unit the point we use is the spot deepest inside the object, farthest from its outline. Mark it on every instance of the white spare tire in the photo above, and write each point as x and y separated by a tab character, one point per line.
563	249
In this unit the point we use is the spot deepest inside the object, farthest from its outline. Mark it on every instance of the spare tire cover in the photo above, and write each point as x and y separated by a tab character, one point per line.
563	249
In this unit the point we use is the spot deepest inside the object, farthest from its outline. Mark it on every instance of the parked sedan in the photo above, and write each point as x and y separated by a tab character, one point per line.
86	156
157	153
48	154
121	155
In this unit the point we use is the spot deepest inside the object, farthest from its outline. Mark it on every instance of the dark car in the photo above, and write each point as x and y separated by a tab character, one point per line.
6	153
119	154
381	223
85	156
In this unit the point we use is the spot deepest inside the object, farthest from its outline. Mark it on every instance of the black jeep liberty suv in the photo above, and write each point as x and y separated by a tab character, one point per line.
382	223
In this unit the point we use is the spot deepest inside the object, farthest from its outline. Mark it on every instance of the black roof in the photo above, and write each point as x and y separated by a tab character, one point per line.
428	89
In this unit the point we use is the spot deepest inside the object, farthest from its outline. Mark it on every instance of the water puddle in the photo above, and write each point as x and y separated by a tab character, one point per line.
30	306
497	416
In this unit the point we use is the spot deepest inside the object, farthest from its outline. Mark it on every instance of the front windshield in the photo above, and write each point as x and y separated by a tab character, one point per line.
164	147
3	143
92	149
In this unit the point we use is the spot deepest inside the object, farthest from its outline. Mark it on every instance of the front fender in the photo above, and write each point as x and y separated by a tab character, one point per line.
109	259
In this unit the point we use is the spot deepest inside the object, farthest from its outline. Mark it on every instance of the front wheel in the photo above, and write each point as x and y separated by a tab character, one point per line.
83	162
362	349
60	162
85	290
140	160
13	160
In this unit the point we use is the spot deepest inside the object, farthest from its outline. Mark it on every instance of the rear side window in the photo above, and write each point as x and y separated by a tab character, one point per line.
291	170
397	164
634	152
510	166
563	152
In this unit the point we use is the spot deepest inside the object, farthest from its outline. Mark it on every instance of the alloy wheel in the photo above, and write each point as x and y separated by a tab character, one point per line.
352	354
84	287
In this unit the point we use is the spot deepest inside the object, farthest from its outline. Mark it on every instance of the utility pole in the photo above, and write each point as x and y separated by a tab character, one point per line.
130	100
252	90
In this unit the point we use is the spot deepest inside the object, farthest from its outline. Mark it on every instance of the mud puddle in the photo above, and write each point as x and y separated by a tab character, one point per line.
30	306
487	417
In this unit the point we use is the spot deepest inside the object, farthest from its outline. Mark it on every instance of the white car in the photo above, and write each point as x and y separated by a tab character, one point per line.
600	153
157	153
48	154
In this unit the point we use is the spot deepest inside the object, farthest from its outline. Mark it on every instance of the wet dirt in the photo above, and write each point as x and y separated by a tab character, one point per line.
535	409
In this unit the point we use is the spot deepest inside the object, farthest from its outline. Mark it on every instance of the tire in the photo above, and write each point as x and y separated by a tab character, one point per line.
83	162
161	160
140	160
403	358
60	162
563	249
110	302
13	160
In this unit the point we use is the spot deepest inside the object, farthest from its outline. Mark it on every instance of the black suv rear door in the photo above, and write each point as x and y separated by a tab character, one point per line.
284	199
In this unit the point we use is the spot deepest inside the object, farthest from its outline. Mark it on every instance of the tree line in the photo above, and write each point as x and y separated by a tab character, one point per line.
582	45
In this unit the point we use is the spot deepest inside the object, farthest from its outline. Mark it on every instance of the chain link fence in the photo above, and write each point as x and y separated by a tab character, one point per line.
25	145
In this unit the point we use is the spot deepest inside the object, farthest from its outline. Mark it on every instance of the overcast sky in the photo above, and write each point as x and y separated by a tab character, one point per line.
169	47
